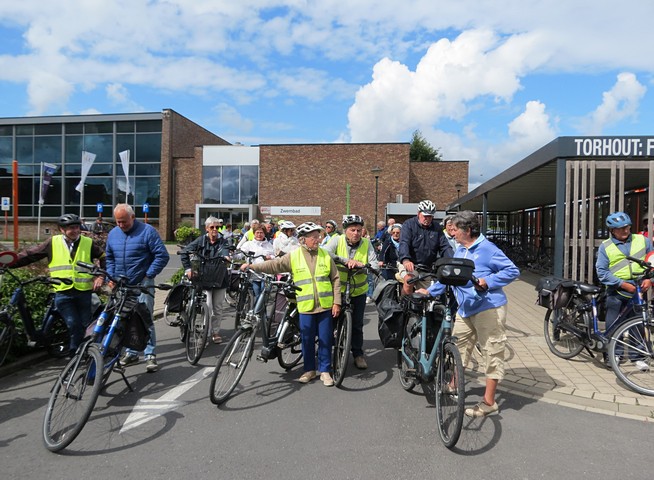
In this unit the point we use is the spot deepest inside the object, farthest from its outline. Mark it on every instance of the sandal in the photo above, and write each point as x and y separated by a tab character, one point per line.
215	338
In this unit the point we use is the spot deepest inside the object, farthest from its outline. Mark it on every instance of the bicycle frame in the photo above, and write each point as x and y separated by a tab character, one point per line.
424	364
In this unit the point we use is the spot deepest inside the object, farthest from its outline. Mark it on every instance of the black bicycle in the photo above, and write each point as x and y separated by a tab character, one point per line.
284	344
53	332
124	322
343	326
245	293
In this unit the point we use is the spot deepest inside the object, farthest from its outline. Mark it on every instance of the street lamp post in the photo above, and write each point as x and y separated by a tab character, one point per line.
376	171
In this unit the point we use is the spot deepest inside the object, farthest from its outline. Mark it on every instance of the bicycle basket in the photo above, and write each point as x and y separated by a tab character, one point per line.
554	292
454	271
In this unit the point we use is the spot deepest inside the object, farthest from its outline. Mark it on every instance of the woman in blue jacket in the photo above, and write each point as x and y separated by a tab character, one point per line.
481	316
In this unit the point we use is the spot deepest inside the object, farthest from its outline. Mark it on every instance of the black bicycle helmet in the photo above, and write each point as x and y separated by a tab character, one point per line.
69	219
427	207
332	223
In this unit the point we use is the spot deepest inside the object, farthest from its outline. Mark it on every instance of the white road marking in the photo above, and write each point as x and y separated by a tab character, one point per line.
148	409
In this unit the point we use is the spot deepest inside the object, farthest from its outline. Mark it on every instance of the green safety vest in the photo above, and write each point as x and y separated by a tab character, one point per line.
306	282
62	266
618	263
361	255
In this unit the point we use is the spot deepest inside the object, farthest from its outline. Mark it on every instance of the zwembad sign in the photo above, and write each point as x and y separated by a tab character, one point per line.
608	146
295	211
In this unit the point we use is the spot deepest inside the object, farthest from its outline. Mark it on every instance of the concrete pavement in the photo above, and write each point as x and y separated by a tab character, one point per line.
533	371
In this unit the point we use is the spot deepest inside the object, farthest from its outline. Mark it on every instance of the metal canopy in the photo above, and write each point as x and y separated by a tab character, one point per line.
531	182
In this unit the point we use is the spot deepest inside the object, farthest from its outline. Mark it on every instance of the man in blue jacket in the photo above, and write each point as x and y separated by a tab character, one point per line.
135	250
481	315
422	242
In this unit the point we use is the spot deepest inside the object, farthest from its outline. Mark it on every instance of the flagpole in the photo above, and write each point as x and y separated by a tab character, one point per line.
38	223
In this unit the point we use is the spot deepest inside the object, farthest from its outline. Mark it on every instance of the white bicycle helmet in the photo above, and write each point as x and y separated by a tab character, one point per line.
352	220
306	228
286	224
427	207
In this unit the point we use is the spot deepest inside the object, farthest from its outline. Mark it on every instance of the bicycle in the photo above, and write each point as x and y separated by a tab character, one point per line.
343	326
245	294
429	353
76	390
632	340
52	334
571	325
284	344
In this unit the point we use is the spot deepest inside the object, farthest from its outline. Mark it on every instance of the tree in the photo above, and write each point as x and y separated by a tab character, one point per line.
421	150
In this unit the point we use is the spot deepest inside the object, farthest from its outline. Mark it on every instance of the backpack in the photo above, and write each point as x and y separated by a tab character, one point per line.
137	328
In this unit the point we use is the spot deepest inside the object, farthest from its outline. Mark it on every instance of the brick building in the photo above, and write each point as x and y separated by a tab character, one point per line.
181	171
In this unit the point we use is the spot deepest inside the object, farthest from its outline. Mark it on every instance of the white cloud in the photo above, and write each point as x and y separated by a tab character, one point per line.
231	119
119	96
450	75
45	89
619	103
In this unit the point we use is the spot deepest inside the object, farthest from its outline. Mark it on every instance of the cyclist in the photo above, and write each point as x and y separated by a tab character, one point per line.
618	273
135	250
214	249
63	251
259	245
389	252
330	232
318	301
351	250
422	242
285	241
481	315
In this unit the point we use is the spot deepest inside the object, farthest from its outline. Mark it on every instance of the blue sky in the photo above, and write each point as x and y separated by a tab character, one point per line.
487	81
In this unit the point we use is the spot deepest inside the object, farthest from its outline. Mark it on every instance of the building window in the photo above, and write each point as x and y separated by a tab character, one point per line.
233	185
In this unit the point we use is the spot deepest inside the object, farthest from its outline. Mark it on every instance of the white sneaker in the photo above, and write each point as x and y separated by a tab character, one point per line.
642	366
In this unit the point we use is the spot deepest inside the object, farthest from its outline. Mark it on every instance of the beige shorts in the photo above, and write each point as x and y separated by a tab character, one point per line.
488	328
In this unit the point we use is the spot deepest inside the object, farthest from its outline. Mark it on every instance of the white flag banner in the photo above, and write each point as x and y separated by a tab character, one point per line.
124	160
87	162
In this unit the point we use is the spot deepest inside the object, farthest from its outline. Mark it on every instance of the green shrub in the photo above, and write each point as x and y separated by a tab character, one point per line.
177	276
185	234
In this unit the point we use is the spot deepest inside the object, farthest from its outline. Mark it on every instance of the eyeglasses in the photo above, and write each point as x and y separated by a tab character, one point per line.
212	227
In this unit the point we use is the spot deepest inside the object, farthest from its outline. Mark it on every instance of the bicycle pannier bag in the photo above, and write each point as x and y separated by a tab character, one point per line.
554	292
391	314
137	328
175	298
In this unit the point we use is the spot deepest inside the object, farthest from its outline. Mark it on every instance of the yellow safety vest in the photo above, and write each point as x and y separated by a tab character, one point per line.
360	255
320	281
618	263
62	266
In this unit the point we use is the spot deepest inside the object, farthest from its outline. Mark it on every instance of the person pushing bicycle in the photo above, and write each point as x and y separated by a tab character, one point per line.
351	250
63	251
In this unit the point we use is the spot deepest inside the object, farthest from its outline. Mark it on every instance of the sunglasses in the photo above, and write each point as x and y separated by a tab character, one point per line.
212	227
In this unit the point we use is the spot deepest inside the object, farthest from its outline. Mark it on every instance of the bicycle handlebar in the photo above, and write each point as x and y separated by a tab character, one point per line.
121	282
40	279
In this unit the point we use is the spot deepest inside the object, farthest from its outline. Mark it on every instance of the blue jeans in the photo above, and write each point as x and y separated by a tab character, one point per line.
257	288
614	303
358	309
149	303
75	308
320	324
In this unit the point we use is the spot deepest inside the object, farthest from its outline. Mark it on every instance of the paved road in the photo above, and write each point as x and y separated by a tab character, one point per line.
274	427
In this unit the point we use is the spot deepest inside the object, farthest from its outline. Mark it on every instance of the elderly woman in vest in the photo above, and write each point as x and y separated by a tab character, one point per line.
318	300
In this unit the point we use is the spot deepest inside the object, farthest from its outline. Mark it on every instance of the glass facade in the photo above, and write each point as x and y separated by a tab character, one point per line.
62	144
230	185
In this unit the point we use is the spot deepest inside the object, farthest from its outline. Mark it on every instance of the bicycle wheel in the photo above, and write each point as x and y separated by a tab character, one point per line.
72	399
6	336
183	326
342	345
291	346
631	356
408	383
557	326
196	338
231	366
245	303
450	394
57	338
